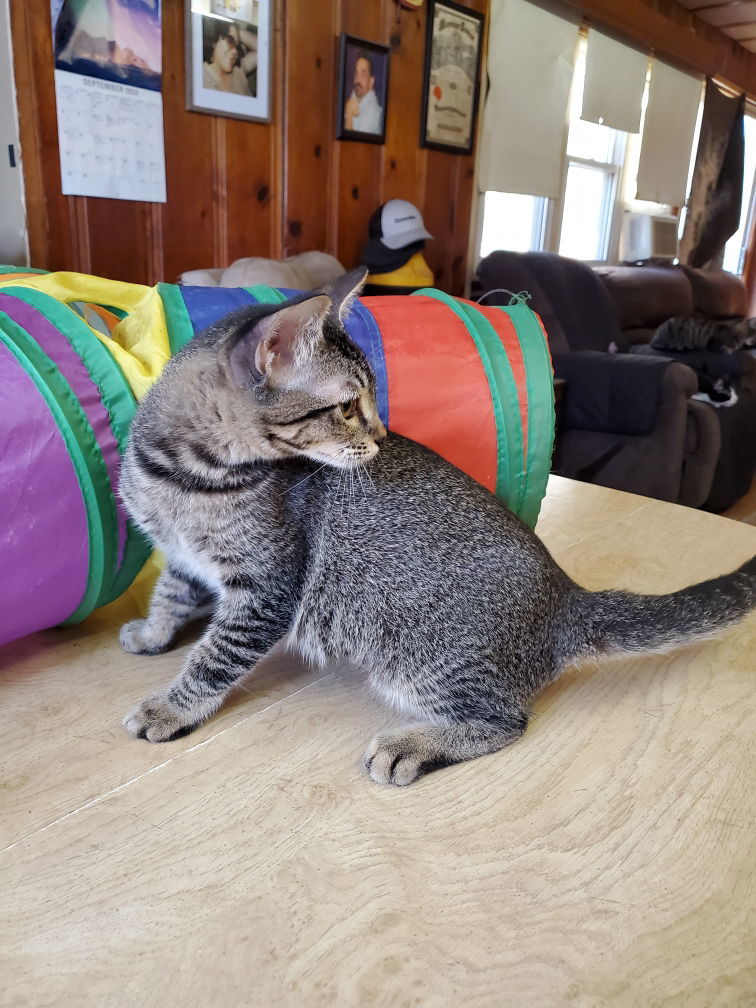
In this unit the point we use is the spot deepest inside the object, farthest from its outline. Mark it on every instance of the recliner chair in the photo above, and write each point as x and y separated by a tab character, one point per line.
628	421
647	296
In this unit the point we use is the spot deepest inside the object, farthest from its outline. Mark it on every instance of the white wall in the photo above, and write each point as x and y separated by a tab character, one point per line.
13	237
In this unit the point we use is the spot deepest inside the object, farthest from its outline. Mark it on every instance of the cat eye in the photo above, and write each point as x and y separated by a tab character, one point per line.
349	409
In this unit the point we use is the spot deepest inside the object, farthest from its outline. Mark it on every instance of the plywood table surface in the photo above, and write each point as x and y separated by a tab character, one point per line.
605	859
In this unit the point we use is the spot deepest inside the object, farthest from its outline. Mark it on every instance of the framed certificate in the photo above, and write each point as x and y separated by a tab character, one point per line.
452	77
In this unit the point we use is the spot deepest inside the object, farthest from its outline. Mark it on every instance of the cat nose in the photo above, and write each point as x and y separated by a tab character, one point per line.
379	433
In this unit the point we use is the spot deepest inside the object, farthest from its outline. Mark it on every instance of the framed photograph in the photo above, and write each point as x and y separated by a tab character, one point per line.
451	85
363	90
229	51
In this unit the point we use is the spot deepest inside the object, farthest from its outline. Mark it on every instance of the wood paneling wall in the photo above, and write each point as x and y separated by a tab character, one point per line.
241	189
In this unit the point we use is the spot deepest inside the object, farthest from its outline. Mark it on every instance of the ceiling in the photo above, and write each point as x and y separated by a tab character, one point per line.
736	18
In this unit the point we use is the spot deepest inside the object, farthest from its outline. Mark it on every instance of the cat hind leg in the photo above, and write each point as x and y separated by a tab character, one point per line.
401	757
469	711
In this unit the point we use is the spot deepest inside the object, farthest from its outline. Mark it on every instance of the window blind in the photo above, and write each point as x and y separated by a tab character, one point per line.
673	101
530	59
615	76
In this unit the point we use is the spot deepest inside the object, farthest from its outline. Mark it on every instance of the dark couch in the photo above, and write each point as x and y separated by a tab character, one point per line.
644	297
628	420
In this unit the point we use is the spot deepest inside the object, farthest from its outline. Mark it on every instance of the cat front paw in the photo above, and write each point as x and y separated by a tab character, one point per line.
138	638
158	719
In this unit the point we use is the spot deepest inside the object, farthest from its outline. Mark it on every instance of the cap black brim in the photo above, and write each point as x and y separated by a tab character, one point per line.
380	259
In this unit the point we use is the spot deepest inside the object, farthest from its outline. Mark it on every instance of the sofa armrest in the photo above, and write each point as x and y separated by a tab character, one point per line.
732	367
703	441
619	393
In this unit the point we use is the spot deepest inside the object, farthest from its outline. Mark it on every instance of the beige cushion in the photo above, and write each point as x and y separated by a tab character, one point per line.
302	272
201	278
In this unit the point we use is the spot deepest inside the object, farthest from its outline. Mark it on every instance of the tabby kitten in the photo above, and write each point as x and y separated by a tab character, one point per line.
687	332
239	467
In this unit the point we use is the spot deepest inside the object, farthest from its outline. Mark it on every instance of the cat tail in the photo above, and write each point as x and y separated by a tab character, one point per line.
615	621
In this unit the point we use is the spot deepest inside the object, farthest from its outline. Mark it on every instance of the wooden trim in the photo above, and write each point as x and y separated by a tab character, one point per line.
28	117
714	6
733	24
219	205
278	140
675	34
334	159
153	225
78	210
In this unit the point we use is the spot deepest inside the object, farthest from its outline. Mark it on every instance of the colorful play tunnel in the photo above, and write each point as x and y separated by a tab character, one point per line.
77	353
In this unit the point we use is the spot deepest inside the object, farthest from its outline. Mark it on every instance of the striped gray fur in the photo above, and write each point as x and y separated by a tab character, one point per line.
691	332
254	464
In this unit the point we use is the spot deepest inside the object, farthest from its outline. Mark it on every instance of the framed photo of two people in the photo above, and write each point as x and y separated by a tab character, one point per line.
363	90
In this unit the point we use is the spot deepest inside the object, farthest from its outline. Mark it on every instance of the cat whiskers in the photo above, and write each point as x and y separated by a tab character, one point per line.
363	469
313	473
350	496
359	481
347	490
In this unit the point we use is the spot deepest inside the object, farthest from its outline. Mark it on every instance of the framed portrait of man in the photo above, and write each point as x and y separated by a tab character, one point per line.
229	53
451	86
363	90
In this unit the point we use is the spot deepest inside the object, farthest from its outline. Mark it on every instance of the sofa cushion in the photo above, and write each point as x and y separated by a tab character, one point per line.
716	293
638	337
201	278
504	274
302	272
732	367
574	306
646	296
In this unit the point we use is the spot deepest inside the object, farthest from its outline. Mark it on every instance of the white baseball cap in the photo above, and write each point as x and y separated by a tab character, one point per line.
401	224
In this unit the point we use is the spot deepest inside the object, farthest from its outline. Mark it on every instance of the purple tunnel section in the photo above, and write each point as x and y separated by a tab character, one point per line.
71	366
44	541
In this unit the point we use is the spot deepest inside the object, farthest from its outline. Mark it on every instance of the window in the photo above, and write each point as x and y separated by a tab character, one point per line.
588	201
736	247
516	220
582	223
600	172
594	163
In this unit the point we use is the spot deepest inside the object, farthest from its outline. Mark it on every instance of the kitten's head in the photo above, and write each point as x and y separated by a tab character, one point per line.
291	382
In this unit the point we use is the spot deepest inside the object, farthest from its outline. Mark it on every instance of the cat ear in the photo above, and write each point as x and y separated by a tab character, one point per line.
344	291
279	343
